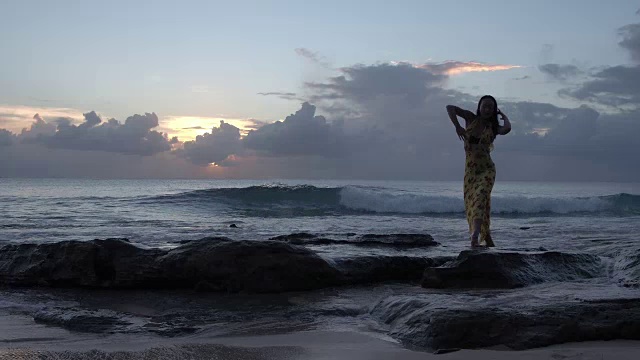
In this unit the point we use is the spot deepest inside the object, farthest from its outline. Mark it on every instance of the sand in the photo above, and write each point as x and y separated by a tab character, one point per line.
22	338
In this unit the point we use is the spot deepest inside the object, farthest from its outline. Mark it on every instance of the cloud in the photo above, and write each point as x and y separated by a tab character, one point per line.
187	128
6	137
631	40
39	129
526	77
613	86
313	57
253	124
16	117
214	147
452	67
364	83
282	95
133	137
399	130
301	133
560	72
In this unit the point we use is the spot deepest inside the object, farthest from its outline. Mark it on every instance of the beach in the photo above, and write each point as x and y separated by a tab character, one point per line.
315	270
29	341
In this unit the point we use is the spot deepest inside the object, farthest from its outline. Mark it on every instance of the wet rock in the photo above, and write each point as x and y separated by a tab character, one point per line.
81	320
489	269
209	264
97	263
373	240
626	267
380	268
417	322
398	240
247	266
294	236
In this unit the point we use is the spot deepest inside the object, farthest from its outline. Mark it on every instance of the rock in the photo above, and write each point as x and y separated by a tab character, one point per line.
97	263
233	226
489	269
373	240
416	323
209	264
398	240
247	266
294	236
93	321
446	351
626	267
380	268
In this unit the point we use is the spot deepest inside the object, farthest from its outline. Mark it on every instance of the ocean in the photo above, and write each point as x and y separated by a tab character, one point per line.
597	219
163	212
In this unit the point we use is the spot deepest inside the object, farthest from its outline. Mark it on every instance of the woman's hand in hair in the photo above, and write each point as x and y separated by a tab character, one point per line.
506	128
461	132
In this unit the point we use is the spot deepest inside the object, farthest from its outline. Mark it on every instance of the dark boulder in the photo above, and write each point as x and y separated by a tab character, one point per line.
491	269
215	264
247	266
420	322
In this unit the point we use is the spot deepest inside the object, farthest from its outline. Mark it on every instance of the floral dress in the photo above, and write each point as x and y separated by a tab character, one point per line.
479	175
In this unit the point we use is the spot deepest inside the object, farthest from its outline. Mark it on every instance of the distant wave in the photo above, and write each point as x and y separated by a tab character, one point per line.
264	194
350	199
375	201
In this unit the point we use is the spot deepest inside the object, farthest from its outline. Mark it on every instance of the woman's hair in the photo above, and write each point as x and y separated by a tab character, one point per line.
494	116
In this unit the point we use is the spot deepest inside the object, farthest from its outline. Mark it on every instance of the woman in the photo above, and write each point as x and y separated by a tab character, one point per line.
478	135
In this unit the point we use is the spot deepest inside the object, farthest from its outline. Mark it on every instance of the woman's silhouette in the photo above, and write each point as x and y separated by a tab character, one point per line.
478	134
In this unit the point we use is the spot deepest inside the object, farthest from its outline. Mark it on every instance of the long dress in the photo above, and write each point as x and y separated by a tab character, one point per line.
479	176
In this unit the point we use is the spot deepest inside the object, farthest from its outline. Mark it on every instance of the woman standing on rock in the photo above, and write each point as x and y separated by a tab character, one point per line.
478	135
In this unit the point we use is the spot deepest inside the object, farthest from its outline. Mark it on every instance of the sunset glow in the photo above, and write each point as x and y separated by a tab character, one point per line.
186	128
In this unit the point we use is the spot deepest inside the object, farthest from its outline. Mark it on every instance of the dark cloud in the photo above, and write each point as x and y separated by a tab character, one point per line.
301	133
193	128
365	83
616	86
214	147
39	129
133	137
277	93
613	86
6	137
397	128
560	72
631	40
282	95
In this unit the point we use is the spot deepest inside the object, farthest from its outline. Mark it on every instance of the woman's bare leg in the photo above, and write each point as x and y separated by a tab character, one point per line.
477	225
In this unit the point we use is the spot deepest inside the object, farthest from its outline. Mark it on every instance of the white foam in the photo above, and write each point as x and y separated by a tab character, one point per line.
410	203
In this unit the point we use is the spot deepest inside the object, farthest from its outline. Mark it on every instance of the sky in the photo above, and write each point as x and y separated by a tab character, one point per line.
326	89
